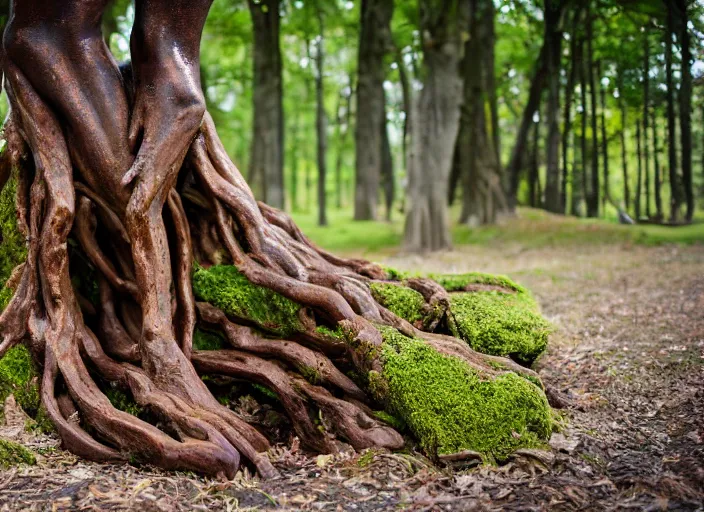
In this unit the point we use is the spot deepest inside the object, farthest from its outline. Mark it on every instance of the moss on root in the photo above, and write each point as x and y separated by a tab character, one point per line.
12	454
400	300
451	407
19	377
228	289
206	340
500	323
13	249
459	282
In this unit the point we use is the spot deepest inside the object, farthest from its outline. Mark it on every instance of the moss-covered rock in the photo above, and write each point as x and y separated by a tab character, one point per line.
400	300
450	407
12	454
228	289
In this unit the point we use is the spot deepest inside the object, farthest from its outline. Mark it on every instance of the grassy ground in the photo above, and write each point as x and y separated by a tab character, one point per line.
628	353
532	228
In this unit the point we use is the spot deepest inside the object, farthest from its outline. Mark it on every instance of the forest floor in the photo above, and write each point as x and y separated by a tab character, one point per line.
628	353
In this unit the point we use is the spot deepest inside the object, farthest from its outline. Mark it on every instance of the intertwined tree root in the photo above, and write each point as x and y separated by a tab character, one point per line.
88	344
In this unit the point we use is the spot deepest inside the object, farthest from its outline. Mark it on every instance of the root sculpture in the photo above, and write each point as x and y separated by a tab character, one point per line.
140	232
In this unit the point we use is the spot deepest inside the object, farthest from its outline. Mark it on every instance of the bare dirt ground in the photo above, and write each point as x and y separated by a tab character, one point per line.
629	353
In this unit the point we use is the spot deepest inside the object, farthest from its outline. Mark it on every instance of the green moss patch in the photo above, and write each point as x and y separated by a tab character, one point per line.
459	282
450	407
19	377
123	402
206	340
228	289
13	249
12	454
501	324
400	300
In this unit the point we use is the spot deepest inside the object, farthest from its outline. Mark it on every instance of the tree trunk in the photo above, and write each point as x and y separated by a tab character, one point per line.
513	170
604	141
343	130
406	94
554	48
534	193
593	199
476	164
435	125
387	170
567	126
490	75
583	135
685	103
639	179
266	165
624	149
295	157
374	39
321	123
675	192
656	161
646	117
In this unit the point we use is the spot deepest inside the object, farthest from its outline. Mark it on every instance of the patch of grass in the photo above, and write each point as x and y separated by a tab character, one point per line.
532	228
451	407
228	289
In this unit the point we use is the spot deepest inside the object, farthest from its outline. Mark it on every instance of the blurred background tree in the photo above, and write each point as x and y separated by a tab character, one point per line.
457	111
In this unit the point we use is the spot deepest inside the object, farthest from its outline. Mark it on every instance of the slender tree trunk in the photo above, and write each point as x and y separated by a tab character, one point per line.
343	130
606	195
489	18
675	197
374	37
567	126
266	165
685	103
387	170
513	170
583	137
593	202
435	125
406	94
534	192
656	162
624	149
295	154
321	123
646	117
552	176
639	179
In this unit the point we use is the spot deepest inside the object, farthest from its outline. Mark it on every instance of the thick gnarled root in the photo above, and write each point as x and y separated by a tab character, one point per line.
339	343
